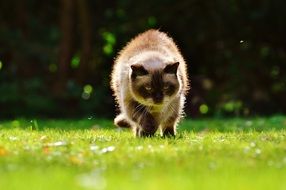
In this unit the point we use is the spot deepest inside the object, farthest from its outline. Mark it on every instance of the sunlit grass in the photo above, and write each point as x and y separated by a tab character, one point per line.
92	154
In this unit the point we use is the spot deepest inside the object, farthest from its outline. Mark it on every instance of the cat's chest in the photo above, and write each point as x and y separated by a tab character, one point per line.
158	113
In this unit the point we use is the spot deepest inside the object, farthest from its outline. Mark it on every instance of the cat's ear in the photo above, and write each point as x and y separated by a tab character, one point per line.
138	70
172	68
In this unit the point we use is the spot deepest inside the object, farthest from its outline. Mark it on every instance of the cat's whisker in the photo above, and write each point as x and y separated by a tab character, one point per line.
138	109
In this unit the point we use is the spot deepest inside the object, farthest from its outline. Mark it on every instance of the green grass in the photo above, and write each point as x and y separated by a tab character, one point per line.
93	154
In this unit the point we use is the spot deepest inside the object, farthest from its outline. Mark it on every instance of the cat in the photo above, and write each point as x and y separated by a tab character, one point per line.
150	82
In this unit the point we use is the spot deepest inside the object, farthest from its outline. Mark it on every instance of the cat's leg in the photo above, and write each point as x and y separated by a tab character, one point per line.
147	126
174	112
122	121
168	128
144	123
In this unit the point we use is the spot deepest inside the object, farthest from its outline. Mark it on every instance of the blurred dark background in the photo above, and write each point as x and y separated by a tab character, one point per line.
56	55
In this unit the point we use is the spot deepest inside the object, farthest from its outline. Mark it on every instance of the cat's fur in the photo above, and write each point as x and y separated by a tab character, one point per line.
150	82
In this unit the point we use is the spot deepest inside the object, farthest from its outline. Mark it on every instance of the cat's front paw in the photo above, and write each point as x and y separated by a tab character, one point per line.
169	132
144	133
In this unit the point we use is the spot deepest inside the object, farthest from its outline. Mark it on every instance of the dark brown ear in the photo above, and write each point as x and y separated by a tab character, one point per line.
138	70
172	68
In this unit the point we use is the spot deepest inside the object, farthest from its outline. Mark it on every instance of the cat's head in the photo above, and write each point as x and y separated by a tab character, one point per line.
154	86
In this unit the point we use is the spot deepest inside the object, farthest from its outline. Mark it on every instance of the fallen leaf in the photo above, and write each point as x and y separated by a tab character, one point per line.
3	151
75	160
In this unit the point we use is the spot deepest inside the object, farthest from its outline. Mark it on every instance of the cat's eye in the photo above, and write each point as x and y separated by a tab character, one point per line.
148	88
166	87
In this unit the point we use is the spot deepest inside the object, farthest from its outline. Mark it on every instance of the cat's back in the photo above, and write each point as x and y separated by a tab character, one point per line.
151	40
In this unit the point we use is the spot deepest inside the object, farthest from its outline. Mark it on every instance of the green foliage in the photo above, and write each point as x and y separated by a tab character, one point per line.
110	41
92	154
235	53
204	109
75	62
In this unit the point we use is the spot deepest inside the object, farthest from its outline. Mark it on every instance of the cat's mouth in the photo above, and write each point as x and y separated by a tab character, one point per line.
153	101
158	100
150	102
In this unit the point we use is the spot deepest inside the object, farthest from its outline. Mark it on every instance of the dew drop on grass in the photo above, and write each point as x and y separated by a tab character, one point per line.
93	148
252	144
108	149
12	138
56	144
150	147
139	147
257	151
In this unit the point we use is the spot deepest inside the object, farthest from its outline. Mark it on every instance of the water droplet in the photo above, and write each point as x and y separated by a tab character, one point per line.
139	147
108	149
257	151
12	138
252	144
56	144
94	148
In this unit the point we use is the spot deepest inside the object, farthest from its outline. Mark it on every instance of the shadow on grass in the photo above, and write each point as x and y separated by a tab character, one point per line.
275	123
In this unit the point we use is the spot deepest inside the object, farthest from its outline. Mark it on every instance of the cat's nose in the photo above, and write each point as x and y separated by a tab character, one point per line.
158	98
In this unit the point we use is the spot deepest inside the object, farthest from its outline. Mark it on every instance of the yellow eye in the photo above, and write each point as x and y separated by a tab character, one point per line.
148	88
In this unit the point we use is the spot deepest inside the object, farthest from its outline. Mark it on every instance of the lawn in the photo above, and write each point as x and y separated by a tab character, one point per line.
93	154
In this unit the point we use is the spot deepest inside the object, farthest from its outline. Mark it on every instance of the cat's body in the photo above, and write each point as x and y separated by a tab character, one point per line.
149	80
